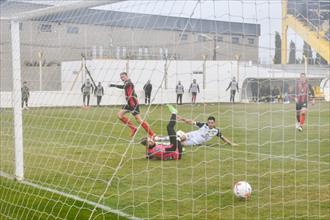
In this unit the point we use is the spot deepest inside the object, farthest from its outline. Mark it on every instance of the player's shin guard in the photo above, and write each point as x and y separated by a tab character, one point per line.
147	129
302	119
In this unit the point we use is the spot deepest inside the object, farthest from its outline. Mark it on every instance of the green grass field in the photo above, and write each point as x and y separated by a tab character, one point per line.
79	151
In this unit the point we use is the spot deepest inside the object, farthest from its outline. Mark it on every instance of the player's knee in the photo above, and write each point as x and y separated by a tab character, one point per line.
120	115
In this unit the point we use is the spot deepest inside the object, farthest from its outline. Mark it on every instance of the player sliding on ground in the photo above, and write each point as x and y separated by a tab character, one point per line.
205	132
302	88
172	151
131	106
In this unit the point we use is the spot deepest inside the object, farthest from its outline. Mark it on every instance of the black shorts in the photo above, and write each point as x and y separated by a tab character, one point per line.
194	93
135	110
299	106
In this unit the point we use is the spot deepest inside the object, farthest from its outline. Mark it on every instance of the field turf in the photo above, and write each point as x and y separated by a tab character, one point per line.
89	154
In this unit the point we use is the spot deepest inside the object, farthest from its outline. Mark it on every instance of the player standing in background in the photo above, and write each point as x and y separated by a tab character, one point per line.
233	85
87	88
171	151
301	98
131	106
179	89
25	95
194	88
147	92
99	92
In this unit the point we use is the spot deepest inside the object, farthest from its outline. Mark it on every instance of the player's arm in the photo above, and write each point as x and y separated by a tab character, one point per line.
226	140
185	120
117	86
82	88
228	86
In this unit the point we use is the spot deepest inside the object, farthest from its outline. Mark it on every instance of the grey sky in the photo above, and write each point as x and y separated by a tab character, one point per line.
267	13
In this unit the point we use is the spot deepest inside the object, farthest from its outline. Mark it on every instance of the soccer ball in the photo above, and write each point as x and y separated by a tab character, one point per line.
242	189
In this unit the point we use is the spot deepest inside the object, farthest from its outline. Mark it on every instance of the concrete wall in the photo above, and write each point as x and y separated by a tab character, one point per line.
217	77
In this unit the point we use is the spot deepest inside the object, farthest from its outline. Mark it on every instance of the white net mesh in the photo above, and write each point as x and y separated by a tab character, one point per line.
79	159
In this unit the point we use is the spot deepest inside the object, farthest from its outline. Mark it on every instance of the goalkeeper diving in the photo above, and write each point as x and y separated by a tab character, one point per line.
204	133
171	151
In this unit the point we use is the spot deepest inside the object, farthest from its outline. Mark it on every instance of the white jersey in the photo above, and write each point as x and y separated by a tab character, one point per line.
202	135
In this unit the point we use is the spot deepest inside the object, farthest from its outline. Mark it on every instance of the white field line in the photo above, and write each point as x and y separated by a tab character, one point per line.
77	198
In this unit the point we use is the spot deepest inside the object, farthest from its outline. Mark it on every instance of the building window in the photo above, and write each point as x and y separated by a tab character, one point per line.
118	52
94	52
45	28
101	51
235	40
219	38
161	54
72	30
250	40
140	52
146	51
201	38
183	36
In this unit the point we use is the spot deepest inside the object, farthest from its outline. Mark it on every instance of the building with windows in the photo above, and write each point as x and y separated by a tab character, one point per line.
103	34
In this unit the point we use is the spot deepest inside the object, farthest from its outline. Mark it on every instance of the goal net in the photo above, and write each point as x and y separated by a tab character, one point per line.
70	129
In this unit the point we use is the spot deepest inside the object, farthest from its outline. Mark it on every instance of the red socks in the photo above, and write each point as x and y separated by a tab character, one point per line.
302	119
144	124
147	129
126	121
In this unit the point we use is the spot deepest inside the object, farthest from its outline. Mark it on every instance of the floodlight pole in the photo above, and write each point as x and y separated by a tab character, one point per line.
214	47
238	57
165	72
83	75
127	64
40	55
204	71
17	100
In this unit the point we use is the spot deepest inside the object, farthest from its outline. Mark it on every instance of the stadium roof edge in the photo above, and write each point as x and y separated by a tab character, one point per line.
150	21
59	8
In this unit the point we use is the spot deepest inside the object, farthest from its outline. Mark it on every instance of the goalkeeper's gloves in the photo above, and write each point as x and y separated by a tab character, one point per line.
112	85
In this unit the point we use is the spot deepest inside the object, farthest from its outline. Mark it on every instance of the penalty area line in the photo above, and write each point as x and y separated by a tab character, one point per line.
74	197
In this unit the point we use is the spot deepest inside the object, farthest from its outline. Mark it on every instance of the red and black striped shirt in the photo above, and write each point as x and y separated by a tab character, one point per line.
130	94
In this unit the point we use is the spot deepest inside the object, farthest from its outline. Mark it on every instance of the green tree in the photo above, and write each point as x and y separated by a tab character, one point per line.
292	55
277	56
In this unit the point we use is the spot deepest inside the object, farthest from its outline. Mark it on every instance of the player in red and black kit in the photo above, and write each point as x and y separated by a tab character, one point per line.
302	91
172	151
131	106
